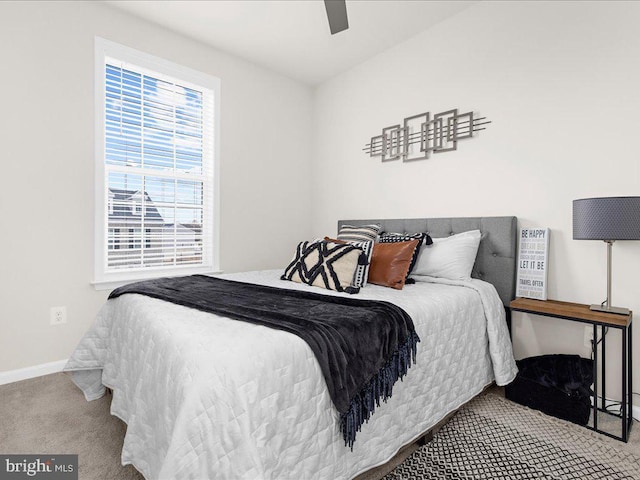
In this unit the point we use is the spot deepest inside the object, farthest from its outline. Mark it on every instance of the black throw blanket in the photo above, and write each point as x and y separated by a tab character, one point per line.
363	346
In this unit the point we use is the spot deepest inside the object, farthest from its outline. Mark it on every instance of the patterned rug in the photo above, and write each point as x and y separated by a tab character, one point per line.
493	438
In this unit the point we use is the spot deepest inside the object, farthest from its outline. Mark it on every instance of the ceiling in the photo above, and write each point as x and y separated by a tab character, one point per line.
292	36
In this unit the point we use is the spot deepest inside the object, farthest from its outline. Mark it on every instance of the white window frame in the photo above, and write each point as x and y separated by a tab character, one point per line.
104	279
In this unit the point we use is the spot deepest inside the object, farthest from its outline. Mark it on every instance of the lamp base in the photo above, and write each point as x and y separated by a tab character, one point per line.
604	308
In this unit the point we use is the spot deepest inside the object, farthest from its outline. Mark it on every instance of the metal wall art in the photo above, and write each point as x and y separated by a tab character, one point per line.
419	135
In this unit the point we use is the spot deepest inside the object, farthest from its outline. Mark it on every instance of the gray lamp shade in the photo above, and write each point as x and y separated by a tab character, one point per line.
606	218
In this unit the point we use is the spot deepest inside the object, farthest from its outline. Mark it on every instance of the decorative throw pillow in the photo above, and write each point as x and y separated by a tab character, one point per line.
362	272
362	233
450	257
326	265
422	237
405	237
390	263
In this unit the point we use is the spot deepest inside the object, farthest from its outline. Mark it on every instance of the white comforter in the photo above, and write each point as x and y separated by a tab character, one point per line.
207	397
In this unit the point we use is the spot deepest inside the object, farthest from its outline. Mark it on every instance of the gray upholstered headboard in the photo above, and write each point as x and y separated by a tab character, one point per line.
496	260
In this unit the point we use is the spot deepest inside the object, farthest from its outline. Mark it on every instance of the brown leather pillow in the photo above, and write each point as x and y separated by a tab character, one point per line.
334	240
390	263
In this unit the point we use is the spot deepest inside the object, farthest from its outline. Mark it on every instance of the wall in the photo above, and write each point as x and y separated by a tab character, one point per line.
559	81
47	182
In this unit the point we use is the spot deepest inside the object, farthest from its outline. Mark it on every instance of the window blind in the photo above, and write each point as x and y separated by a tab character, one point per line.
158	170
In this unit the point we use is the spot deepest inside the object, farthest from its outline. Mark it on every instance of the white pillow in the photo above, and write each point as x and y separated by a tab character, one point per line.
450	257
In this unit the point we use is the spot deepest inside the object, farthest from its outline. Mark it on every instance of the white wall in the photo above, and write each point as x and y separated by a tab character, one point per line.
561	83
47	183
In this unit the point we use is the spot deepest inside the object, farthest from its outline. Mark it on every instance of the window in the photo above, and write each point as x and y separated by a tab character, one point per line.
156	175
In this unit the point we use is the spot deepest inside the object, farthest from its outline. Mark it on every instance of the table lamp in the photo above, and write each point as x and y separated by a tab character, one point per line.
608	219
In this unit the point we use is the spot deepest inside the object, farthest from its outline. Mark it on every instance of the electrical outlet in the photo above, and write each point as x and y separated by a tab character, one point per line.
58	315
588	336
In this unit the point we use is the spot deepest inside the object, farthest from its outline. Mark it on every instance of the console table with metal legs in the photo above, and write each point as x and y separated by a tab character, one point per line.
582	313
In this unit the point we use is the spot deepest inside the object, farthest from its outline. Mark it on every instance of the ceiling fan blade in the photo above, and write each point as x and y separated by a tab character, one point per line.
337	15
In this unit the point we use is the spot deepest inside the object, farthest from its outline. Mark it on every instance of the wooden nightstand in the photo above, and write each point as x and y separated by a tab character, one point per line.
581	313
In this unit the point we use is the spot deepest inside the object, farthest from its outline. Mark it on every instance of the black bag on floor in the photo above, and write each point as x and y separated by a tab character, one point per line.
558	385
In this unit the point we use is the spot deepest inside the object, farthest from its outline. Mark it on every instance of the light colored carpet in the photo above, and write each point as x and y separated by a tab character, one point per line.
50	415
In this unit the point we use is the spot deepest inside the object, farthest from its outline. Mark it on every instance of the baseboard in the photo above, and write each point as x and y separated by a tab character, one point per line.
31	372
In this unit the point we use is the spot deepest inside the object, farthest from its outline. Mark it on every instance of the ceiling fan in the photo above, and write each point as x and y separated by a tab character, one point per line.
337	15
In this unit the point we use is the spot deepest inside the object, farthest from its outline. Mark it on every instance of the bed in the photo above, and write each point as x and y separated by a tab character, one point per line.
207	397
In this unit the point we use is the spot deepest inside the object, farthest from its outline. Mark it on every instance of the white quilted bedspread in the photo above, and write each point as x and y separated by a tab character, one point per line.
207	397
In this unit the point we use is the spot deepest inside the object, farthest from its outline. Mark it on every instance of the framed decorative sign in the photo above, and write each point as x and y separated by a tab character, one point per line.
533	259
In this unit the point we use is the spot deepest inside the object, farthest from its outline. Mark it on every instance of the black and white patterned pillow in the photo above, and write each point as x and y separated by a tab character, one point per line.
326	265
360	233
391	237
362	272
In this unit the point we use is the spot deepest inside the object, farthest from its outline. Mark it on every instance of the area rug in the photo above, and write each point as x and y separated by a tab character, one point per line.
493	438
